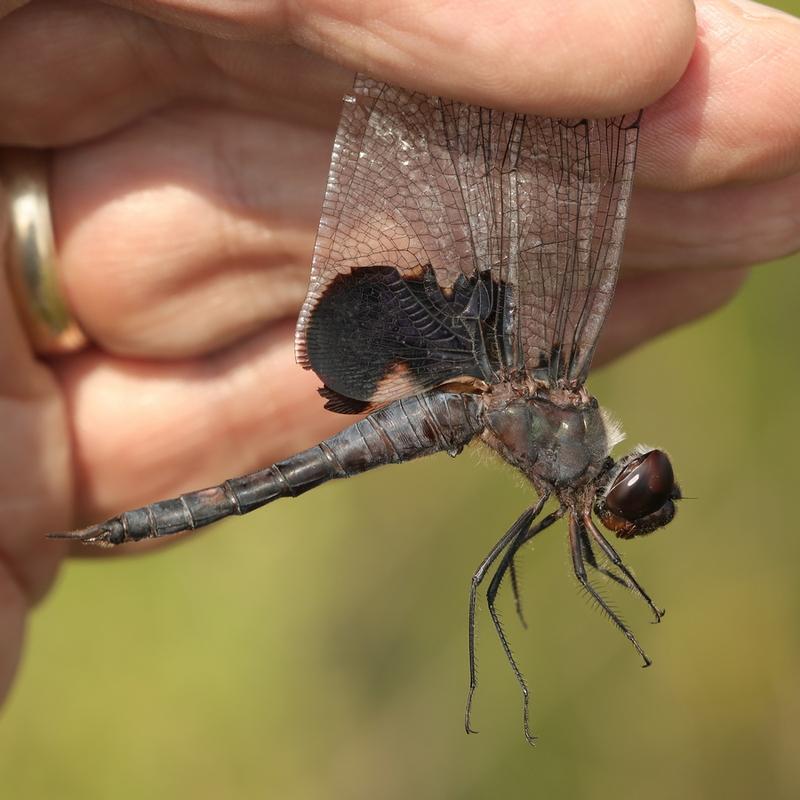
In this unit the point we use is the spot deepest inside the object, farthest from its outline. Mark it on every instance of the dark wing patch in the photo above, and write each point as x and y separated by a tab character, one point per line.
392	196
376	335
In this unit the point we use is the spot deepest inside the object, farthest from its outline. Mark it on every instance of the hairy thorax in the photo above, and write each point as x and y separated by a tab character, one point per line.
557	440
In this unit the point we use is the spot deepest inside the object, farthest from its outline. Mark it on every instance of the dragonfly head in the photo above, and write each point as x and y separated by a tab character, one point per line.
639	494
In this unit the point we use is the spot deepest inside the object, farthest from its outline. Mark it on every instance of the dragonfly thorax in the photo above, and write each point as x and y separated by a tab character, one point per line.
554	445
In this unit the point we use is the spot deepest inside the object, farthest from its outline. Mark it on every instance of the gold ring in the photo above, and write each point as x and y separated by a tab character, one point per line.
31	255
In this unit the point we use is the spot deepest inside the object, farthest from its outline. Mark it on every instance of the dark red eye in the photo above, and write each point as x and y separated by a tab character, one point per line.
642	487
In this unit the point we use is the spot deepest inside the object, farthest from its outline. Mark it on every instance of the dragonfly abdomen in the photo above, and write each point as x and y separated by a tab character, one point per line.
406	429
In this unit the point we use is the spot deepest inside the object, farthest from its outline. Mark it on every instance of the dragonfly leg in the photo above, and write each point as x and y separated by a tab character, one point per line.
591	560
580	574
512	572
522	524
491	595
614	558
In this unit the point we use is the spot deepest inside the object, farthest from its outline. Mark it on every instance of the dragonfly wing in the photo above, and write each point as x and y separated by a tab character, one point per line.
457	243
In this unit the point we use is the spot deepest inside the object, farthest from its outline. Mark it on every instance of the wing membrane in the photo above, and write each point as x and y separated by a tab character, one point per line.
574	183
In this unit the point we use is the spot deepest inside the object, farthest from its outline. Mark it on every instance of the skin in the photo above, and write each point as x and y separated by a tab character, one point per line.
191	142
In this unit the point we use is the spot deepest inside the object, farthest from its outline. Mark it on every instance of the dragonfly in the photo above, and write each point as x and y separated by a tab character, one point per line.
465	262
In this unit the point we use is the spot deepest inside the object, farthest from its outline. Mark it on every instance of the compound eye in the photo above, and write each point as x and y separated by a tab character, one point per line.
642	487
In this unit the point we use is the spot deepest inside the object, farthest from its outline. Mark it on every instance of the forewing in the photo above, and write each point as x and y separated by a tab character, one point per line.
395	225
574	182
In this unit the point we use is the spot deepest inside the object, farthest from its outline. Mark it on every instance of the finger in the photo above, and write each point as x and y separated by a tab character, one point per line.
210	238
7	6
503	54
743	77
713	228
538	56
703	132
485	53
35	485
733	115
205	242
14	606
75	71
647	305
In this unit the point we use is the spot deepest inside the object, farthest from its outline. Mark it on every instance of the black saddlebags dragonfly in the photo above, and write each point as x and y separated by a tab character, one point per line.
465	262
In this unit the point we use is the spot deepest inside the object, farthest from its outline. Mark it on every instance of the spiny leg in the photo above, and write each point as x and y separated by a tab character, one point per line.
512	571
522	524
507	564
589	558
614	558
580	574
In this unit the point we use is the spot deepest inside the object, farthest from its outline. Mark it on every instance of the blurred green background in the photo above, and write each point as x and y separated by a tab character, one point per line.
317	649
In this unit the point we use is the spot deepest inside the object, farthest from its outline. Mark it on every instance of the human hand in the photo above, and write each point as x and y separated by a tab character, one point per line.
190	154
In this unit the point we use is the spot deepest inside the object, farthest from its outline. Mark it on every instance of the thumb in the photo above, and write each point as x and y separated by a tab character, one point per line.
582	58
